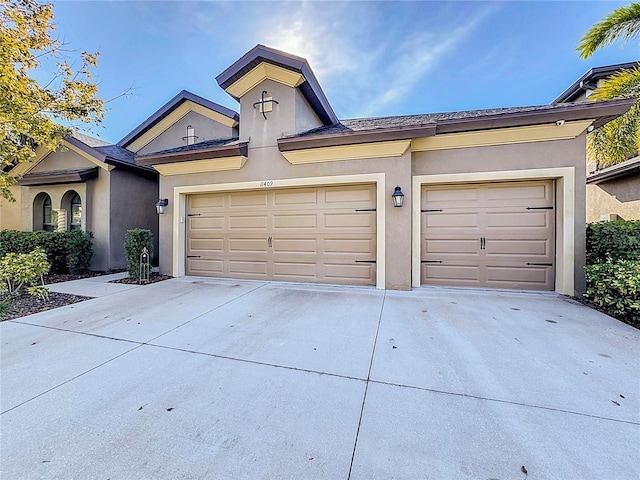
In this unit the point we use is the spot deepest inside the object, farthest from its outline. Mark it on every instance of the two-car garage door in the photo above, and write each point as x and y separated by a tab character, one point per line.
318	234
496	235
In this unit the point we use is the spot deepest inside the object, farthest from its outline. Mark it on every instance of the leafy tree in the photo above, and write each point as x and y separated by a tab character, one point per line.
33	114
619	139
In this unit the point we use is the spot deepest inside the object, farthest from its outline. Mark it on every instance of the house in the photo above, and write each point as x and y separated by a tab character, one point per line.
91	185
613	192
491	198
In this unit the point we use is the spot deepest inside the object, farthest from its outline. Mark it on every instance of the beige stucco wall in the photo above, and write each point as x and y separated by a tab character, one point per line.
204	128
133	206
63	159
619	197
10	212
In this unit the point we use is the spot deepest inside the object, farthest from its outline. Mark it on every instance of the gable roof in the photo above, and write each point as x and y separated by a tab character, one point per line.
589	80
310	88
170	106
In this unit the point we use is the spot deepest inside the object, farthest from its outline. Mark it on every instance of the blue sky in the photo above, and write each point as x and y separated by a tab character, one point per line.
371	58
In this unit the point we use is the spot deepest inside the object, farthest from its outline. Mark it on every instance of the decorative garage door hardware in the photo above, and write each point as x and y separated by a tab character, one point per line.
193	256
365	210
483	243
365	261
430	261
539	208
193	214
431	210
540	264
270	242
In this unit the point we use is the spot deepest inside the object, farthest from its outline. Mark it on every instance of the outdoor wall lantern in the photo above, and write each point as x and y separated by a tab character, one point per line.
162	205
398	197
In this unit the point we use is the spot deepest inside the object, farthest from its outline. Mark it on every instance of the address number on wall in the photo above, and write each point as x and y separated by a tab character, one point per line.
266	183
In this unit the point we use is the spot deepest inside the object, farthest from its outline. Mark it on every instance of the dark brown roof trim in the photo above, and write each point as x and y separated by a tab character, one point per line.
238	149
594	74
59	176
602	112
622	170
352	138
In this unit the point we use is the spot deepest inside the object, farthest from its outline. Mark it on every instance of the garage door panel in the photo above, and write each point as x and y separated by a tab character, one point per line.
206	244
349	273
485	235
451	246
247	222
248	245
295	271
295	221
295	197
349	220
534	278
349	195
310	234
362	246
455	274
295	245
206	223
523	249
205	267
522	219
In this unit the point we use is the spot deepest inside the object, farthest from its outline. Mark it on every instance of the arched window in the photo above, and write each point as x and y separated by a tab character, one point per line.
76	213
47	215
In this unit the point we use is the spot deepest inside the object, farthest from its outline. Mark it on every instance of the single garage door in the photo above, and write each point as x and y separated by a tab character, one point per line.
319	234
496	235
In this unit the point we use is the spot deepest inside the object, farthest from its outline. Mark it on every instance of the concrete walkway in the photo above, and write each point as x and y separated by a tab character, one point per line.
203	378
93	286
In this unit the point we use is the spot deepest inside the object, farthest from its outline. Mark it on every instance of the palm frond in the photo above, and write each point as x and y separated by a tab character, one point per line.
623	84
621	24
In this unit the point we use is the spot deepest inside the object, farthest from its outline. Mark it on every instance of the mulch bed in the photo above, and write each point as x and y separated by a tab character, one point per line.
26	304
606	311
153	278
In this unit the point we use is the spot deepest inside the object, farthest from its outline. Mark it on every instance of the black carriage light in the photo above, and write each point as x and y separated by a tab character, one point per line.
162	205
398	197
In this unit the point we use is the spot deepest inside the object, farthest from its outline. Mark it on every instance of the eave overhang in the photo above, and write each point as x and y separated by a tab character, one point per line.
616	172
56	177
357	137
240	149
598	113
593	75
310	88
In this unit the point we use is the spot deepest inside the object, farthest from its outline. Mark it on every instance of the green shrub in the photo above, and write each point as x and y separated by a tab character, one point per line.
135	241
610	242
66	251
616	287
24	269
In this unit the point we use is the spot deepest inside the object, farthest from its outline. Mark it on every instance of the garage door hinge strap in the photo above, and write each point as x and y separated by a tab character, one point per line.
431	210
193	214
539	208
540	264
365	261
430	261
193	256
365	209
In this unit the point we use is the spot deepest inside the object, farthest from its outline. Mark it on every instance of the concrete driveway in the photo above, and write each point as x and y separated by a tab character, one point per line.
203	378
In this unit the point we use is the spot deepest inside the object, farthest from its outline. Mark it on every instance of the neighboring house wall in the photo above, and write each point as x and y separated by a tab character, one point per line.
204	128
10	212
620	197
133	206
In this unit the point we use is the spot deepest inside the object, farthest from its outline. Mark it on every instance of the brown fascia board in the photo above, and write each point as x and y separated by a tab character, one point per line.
62	176
86	148
602	112
596	74
239	149
615	173
352	138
